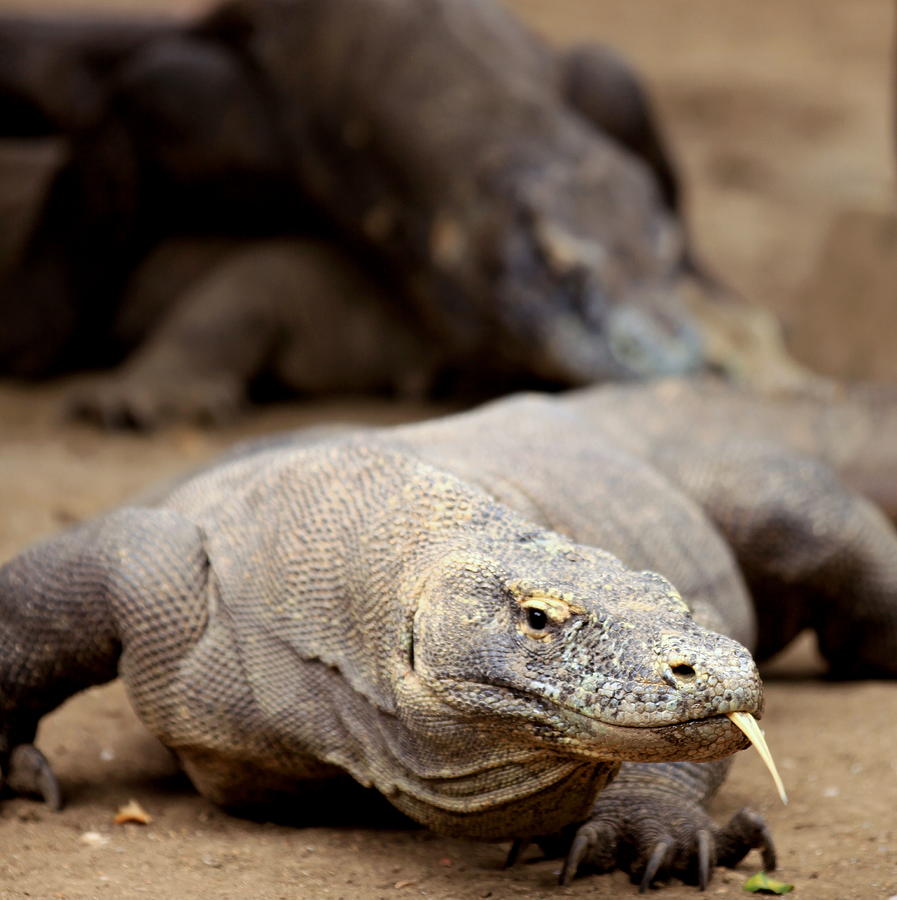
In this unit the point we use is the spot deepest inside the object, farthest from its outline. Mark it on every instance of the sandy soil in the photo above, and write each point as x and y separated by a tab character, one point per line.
780	114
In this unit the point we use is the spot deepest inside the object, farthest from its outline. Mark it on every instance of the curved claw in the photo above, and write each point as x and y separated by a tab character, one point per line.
767	848
574	858
517	848
655	835
661	848
703	840
30	773
746	830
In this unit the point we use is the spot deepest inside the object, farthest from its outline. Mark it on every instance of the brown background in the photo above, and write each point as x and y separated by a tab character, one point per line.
780	114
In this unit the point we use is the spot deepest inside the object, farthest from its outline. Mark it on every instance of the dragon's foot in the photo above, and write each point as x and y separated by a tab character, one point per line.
654	837
121	400
28	772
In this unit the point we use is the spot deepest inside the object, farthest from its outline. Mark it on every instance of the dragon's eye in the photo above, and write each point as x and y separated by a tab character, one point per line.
536	618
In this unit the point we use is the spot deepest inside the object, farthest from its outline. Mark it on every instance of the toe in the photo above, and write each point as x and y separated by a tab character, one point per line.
30	773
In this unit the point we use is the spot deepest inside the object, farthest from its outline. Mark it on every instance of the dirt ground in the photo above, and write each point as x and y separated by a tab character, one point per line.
780	114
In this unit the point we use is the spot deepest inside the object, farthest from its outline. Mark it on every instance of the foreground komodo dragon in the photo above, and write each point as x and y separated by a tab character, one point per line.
515	204
425	608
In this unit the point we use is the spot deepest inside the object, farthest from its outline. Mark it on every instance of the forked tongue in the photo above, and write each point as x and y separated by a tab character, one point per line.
748	724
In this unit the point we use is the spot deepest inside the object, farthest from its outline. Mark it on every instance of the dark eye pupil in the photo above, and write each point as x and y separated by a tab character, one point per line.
536	618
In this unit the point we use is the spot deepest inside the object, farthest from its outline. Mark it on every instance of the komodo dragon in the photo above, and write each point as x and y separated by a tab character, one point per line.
425	608
518	201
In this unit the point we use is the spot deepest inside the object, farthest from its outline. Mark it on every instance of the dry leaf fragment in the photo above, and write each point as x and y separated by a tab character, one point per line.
132	811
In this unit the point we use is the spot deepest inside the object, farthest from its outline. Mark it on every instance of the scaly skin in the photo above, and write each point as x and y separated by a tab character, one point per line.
424	608
379	622
528	240
522	199
381	617
241	319
639	470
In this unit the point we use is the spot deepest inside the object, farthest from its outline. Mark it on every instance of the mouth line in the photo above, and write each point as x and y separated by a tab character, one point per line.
694	720
744	721
523	694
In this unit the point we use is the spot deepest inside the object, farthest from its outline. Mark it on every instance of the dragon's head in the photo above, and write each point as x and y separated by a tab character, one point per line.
561	646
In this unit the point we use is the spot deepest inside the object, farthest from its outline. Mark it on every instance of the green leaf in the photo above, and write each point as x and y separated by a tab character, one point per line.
761	883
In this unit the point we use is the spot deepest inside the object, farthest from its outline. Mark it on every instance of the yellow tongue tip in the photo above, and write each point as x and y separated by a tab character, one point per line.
748	724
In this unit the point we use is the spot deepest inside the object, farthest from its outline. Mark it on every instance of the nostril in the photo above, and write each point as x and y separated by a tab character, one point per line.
684	671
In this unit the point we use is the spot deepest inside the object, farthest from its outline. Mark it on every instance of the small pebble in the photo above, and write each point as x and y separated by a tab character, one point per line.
94	839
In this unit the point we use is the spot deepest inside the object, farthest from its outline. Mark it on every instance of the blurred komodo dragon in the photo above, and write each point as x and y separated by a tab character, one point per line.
425	608
514	206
